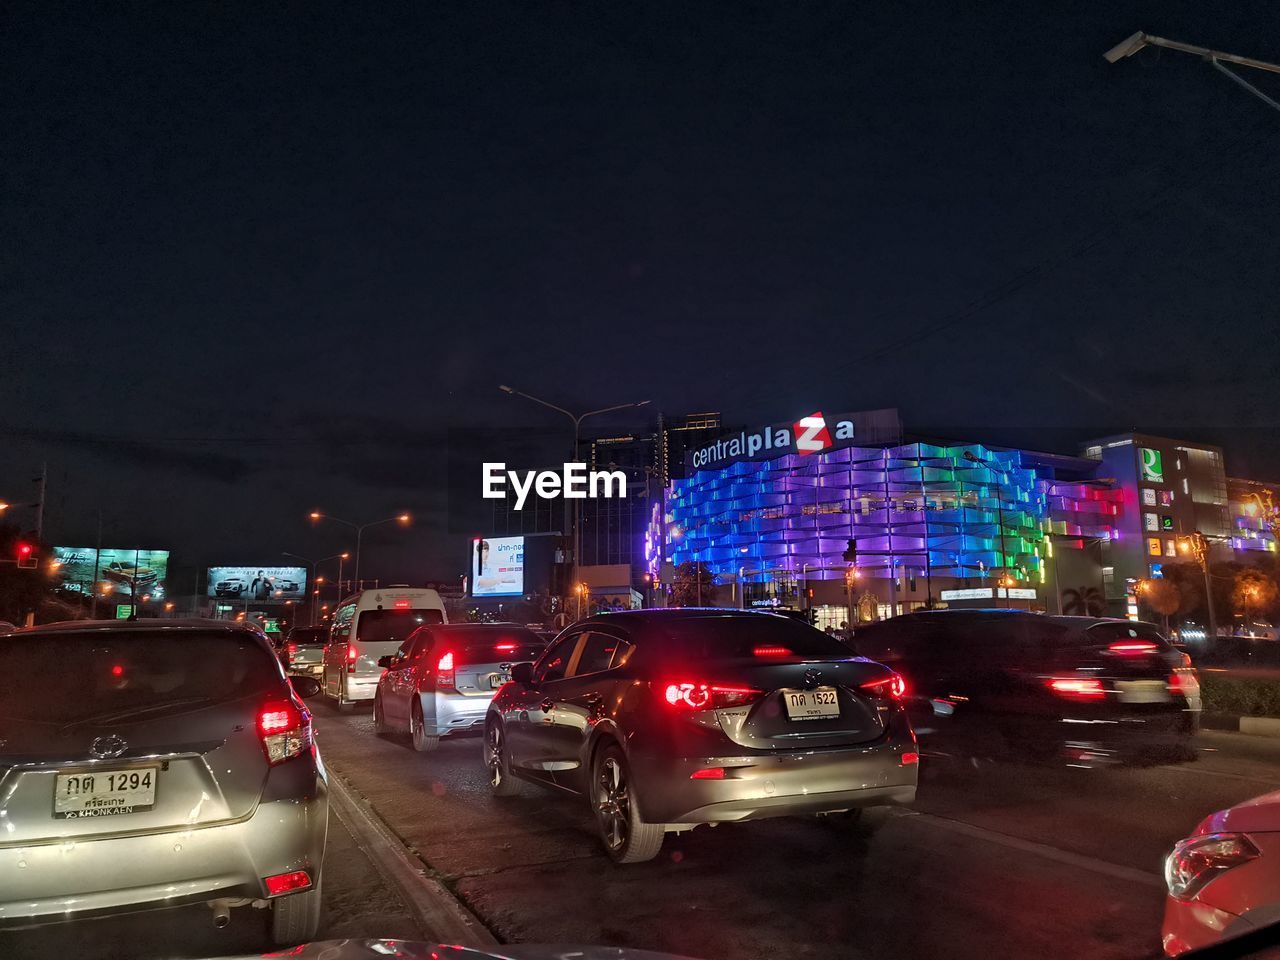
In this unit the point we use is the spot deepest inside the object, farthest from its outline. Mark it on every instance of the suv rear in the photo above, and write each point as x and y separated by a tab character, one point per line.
156	763
1088	689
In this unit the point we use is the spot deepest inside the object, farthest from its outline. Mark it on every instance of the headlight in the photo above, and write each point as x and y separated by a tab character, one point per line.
1196	861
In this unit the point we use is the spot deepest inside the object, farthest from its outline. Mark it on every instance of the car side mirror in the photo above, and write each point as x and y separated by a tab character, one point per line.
386	661
305	687
522	673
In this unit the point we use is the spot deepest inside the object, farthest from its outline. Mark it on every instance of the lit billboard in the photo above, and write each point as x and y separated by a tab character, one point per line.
117	571
497	567
264	584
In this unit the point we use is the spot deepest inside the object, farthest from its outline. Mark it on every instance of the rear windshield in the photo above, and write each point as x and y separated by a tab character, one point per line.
64	678
392	626
1119	632
318	635
489	645
728	638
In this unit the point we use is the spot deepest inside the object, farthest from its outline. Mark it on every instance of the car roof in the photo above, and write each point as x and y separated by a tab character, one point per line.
148	625
1070	622
656	615
465	627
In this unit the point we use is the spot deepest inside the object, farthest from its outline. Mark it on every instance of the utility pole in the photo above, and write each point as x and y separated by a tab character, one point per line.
1197	544
1133	44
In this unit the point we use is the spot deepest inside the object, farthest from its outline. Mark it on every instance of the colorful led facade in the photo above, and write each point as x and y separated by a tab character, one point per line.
917	509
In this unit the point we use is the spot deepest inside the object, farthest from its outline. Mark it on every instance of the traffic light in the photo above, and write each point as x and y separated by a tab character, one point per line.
811	616
851	552
25	553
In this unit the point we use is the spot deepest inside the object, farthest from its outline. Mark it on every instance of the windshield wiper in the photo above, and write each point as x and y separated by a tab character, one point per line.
136	711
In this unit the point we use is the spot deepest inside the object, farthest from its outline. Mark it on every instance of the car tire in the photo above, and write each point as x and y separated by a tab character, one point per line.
345	706
422	742
379	718
296	918
498	762
626	837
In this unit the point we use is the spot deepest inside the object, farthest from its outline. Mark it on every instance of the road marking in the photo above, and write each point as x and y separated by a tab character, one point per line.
1039	849
438	913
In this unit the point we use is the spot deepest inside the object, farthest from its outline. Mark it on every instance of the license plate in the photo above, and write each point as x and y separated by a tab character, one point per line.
1142	691
104	793
497	679
817	704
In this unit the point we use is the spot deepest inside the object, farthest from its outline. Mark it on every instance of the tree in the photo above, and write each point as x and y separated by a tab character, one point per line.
1253	593
1083	602
1163	597
693	585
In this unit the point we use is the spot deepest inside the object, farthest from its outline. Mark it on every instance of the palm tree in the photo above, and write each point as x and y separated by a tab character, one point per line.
1083	602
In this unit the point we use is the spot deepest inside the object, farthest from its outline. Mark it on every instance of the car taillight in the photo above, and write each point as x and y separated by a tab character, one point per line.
708	773
770	651
445	675
505	648
284	728
910	758
1184	681
287	882
1133	648
1197	860
1077	688
352	654
707	696
893	685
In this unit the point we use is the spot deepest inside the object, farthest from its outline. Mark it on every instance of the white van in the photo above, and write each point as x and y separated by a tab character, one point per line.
369	625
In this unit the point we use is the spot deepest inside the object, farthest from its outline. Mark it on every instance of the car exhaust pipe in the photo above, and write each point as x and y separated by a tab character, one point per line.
221	913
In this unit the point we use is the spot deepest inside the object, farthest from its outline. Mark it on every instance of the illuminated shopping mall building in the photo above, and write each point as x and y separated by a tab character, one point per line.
772	513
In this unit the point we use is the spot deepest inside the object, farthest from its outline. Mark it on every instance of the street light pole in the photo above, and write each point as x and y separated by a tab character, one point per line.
360	528
1133	44
576	419
1197	544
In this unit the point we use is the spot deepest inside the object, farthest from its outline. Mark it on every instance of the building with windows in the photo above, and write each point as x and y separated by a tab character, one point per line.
948	522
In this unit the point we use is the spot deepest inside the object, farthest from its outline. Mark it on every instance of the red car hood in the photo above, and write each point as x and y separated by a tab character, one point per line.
1259	815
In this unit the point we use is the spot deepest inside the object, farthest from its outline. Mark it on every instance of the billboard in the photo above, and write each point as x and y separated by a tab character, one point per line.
264	584
1152	465
116	571
497	567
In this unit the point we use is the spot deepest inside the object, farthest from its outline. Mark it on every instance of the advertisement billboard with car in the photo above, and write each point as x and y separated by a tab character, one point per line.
264	584
115	571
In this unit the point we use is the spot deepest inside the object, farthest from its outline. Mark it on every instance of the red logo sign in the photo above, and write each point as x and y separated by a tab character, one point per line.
811	434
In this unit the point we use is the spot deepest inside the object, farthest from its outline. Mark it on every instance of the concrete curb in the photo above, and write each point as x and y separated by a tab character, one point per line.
440	915
1254	726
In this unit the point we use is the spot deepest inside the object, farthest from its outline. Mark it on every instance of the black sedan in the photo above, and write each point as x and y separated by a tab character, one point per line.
666	719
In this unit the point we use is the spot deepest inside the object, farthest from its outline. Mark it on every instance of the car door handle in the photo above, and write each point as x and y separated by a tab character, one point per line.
547	705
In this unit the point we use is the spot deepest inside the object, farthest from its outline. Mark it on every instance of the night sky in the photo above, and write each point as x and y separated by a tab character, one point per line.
256	260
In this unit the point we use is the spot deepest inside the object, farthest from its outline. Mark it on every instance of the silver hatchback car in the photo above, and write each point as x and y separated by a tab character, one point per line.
443	676
157	763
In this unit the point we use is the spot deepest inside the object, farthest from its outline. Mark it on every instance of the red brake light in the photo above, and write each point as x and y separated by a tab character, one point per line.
702	696
1184	681
909	758
284	729
894	685
445	677
505	647
293	648
117	670
402	604
287	882
352	654
708	773
1077	688
1134	648
768	651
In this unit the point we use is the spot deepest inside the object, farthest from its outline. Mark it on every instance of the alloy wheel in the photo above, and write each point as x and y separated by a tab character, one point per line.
494	746
613	803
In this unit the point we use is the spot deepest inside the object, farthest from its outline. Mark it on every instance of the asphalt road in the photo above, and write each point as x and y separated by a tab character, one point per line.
1006	860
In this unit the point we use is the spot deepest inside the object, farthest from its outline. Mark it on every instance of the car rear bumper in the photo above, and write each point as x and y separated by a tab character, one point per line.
773	785
1190	925
455	713
51	882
